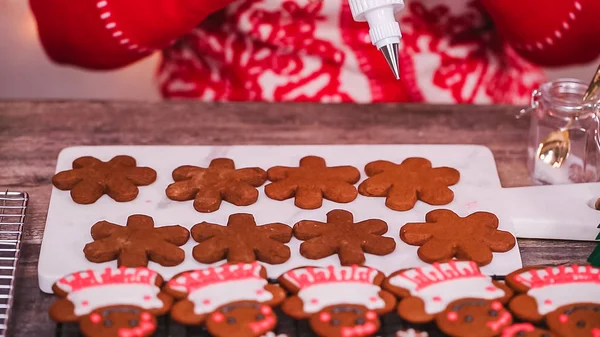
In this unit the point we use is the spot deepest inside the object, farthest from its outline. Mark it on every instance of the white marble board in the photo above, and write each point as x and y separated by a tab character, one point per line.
68	224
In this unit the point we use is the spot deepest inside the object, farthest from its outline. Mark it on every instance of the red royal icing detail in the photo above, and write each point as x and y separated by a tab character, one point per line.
563	318
146	316
370	328
452	316
511	331
125	333
325	317
85	303
496	305
443	273
314	301
260	292
108	276
501	322
309	276
147	297
596	332
217	317
95	318
436	298
373	299
194	280
539	278
358	330
347	332
491	288
548	302
206	301
371	315
266	310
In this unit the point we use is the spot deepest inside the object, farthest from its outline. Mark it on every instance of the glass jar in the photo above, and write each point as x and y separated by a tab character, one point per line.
563	137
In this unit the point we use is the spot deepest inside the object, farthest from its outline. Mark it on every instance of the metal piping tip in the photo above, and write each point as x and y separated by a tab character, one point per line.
390	52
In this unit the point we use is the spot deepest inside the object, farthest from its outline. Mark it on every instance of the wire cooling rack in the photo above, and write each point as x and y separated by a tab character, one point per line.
12	214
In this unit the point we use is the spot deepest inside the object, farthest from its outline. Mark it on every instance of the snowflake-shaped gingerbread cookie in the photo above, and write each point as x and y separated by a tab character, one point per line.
403	184
313	181
241	241
445	235
91	178
340	235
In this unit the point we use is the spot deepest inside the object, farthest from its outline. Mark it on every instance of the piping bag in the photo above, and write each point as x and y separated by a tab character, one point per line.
384	29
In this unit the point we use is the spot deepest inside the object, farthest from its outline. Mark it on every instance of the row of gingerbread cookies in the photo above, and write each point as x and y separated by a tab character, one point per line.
401	184
235	300
442	237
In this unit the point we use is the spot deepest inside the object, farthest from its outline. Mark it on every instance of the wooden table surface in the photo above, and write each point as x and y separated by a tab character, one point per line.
33	133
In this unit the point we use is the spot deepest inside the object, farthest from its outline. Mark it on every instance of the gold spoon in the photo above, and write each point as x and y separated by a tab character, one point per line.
554	149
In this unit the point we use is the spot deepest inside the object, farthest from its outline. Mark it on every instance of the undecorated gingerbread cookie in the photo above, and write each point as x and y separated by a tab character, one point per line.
136	243
209	186
311	182
91	178
241	241
405	183
425	292
111	302
338	301
445	235
230	300
342	236
566	297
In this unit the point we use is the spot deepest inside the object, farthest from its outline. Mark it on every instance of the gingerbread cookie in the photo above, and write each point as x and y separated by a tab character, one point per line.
445	235
311	182
340	235
219	181
403	184
526	330
90	178
230	300
241	241
473	317
568	297
111	302
136	243
427	291
338	301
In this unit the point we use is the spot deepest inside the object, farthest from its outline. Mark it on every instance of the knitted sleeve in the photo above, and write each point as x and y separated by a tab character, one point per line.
549	33
109	34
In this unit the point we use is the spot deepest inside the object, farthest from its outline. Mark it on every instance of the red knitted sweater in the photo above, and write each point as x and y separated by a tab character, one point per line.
453	51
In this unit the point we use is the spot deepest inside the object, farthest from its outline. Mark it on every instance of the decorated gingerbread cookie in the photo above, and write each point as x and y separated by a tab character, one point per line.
525	330
338	301
230	300
427	291
91	178
405	183
209	186
567	297
342	236
137	243
445	235
111	302
311	182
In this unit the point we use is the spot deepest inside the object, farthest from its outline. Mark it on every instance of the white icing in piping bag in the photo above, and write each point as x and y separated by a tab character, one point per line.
384	29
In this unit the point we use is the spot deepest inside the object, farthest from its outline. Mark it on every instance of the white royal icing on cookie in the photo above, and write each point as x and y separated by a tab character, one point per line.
554	287
441	283
322	287
211	288
411	333
93	289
